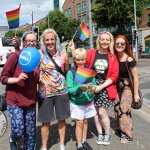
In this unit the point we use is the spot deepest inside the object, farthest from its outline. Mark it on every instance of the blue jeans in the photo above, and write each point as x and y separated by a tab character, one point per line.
23	122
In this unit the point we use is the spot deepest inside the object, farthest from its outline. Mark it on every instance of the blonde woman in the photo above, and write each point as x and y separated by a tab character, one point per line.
105	62
53	91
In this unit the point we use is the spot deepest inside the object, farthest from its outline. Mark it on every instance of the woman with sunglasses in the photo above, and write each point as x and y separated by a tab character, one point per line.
123	103
105	62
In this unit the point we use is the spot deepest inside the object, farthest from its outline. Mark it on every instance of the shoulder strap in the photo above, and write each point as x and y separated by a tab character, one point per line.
130	76
57	67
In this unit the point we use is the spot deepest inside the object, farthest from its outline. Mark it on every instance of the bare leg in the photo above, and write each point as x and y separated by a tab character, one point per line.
105	119
98	121
62	131
79	131
85	127
45	134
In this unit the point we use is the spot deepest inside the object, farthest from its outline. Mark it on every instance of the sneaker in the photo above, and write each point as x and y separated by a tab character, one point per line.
62	147
86	146
80	148
100	139
13	145
107	139
43	148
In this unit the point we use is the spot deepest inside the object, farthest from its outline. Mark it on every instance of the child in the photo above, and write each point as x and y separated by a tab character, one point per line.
82	106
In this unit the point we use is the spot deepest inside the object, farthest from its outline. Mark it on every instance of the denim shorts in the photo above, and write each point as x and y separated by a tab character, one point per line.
51	107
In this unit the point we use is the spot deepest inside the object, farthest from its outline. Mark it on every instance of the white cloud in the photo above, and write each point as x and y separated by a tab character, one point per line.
27	6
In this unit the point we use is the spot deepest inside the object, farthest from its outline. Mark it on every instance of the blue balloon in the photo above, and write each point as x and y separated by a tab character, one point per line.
29	59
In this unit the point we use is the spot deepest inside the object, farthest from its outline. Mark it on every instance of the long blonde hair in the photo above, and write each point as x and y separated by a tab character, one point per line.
111	46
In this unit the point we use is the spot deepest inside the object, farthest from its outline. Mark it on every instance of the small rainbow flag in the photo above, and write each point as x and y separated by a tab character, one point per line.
83	32
84	75
13	18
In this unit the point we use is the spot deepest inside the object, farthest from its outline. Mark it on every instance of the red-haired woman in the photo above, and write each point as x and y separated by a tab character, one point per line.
123	103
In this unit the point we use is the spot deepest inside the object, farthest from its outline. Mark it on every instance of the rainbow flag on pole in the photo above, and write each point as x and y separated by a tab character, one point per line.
84	75
13	18
83	32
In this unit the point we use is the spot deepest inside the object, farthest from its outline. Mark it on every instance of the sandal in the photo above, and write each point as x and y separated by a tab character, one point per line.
125	139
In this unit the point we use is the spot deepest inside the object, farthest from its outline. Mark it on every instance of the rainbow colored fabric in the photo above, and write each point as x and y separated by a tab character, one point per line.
13	18
84	75
83	32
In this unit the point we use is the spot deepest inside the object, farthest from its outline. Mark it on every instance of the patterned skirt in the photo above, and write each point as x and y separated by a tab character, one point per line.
101	98
123	108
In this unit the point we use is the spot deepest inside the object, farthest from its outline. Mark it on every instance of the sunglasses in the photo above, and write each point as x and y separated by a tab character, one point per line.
120	43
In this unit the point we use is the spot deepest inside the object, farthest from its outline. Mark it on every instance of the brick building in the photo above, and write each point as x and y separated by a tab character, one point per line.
28	27
79	9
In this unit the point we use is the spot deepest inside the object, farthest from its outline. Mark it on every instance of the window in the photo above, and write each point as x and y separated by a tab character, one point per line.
66	12
84	18
79	9
69	12
83	6
149	4
148	23
79	18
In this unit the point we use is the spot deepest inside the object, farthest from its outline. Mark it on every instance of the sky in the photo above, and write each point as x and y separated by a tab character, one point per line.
40	9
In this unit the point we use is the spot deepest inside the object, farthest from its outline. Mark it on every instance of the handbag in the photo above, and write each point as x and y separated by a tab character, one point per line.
57	67
134	105
3	104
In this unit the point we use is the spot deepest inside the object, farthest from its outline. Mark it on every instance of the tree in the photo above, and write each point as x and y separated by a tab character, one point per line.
11	33
117	13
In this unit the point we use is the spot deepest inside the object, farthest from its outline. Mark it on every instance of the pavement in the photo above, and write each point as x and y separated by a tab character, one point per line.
141	124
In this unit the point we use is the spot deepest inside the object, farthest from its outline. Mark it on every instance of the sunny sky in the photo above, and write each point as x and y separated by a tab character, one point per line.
40	9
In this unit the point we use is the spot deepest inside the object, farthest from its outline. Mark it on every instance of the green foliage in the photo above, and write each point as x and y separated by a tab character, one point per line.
11	33
63	25
120	13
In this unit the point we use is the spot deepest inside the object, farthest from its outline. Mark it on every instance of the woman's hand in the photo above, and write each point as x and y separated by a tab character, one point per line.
22	76
136	98
98	89
84	88
71	45
15	41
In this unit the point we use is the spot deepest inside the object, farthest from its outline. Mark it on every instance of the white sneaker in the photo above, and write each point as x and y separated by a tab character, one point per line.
100	139
43	149
62	147
107	139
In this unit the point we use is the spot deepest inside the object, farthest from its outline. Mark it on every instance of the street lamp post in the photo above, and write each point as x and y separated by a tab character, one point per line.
47	15
32	18
90	25
135	28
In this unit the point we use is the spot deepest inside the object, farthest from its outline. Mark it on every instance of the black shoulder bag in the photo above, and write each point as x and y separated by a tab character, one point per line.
57	67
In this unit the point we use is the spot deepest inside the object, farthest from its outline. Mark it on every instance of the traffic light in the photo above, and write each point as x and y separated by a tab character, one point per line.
35	29
135	35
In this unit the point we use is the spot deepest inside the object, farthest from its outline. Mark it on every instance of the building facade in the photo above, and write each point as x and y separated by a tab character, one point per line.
3	30
144	30
79	9
58	4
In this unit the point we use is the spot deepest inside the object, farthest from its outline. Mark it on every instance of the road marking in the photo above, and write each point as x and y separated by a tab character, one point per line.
145	110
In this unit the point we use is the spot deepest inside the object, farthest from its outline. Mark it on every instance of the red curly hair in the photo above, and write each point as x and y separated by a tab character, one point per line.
127	50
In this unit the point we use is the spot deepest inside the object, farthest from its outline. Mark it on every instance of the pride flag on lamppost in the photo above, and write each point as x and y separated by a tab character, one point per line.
13	18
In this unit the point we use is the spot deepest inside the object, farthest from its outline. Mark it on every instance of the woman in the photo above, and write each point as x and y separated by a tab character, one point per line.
52	87
21	97
123	103
105	62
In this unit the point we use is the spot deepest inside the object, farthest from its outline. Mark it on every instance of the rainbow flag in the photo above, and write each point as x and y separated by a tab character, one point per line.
13	18
83	32
84	75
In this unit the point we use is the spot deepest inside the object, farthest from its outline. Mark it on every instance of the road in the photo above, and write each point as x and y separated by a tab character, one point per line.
141	124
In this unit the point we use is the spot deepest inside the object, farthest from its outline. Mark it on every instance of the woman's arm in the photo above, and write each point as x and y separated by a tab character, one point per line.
66	65
135	83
